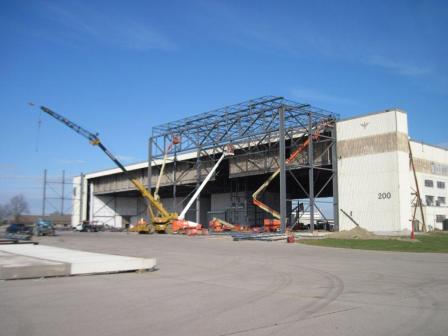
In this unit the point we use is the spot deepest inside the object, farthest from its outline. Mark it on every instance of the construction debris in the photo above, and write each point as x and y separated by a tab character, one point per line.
237	236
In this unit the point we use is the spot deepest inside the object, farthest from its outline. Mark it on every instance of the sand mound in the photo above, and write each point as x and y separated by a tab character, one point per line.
356	233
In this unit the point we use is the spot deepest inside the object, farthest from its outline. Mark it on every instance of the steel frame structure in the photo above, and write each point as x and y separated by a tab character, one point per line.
54	189
267	127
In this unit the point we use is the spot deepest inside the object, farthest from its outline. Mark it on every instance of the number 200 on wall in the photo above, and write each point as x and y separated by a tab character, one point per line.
384	195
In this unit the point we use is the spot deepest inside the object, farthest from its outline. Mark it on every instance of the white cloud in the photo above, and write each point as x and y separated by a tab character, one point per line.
305	95
400	67
82	23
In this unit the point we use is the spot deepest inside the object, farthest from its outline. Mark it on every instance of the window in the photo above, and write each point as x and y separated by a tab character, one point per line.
440	218
441	200
429	200
429	183
440	185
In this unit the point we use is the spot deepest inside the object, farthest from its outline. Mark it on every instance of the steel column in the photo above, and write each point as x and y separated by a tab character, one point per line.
149	163
334	164
311	170
174	179
282	154
198	182
81	198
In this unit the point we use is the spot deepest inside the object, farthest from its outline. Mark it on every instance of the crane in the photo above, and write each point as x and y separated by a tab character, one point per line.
163	217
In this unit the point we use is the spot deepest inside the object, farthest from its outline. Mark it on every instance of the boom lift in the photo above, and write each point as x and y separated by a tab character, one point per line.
163	217
181	223
315	135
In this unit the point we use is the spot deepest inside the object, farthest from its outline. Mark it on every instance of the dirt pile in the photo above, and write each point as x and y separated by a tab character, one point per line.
355	233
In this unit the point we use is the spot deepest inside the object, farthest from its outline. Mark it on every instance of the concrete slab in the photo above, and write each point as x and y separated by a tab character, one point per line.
219	287
14	266
79	262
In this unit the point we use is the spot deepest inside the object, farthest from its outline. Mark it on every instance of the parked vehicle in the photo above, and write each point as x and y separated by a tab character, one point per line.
87	227
19	228
18	231
44	228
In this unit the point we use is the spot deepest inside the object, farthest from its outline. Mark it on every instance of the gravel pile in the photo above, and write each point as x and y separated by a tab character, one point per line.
356	233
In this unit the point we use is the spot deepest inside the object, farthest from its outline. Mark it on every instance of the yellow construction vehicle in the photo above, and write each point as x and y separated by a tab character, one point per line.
159	216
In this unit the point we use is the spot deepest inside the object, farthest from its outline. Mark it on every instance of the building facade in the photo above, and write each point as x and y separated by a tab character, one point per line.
374	185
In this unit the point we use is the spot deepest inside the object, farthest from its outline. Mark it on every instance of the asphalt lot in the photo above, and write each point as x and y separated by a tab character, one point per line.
214	286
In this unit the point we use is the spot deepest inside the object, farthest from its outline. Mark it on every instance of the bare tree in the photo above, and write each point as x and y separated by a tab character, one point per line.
18	205
5	212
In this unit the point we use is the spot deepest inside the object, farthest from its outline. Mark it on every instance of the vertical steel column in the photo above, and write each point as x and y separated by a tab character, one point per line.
44	196
198	182
81	198
174	179
91	205
282	154
311	170
334	164
149	163
62	192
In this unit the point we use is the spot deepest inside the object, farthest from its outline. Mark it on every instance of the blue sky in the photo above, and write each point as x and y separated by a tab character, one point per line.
120	68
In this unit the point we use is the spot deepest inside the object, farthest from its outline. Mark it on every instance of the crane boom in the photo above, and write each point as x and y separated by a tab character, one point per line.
165	216
93	138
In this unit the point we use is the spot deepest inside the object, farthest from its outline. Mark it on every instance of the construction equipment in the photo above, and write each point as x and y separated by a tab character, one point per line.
271	225
160	217
175	141
180	223
220	225
315	135
141	227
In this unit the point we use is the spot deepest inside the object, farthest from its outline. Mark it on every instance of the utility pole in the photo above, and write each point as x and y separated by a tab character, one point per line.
62	192
44	196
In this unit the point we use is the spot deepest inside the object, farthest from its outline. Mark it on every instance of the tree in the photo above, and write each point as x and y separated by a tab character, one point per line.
5	212
18	205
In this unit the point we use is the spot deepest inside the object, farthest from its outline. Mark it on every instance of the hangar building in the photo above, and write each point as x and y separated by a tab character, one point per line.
362	164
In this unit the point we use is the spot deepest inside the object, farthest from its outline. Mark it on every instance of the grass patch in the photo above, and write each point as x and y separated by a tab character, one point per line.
434	242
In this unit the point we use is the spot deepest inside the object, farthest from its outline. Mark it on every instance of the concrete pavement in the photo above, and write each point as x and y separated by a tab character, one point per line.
214	286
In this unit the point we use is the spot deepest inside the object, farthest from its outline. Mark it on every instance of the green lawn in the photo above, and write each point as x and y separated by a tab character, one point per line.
434	242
